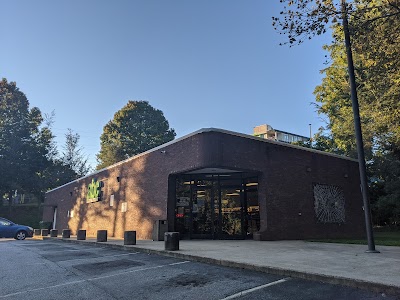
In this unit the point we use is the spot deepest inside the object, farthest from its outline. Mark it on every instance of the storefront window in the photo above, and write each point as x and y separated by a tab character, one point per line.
182	211
252	206
216	206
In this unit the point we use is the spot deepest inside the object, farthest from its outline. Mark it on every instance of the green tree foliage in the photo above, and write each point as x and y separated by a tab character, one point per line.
29	160
376	49
300	20
322	141
73	157
24	147
66	166
136	128
71	164
374	29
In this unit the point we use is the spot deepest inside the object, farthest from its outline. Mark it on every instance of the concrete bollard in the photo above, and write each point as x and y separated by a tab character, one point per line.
54	232
66	233
45	232
171	241
81	235
130	237
101	235
37	232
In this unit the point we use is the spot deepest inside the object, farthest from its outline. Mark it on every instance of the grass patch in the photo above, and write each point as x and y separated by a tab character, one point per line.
382	238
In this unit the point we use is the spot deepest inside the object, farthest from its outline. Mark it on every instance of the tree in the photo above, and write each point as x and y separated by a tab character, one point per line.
23	145
73	157
67	166
71	164
374	27
322	141
311	17
378	73
29	160
302	19
136	128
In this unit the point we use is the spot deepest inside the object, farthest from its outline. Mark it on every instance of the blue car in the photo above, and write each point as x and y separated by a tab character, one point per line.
9	229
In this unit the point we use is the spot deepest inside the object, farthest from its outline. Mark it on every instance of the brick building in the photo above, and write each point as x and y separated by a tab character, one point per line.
217	184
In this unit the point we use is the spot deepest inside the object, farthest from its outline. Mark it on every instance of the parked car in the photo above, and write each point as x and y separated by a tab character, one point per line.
9	229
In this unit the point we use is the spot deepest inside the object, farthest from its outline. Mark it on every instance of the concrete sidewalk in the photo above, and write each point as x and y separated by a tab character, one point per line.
332	263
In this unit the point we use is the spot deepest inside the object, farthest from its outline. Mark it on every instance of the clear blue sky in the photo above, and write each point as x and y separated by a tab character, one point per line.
204	63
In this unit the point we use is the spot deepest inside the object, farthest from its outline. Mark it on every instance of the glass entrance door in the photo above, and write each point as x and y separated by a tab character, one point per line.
216	206
231	213
217	215
202	217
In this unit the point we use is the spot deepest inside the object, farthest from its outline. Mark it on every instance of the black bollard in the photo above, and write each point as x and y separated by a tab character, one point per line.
81	235
101	235
66	233
130	237
171	240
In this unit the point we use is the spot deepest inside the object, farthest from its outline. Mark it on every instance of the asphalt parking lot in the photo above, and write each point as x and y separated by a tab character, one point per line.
34	269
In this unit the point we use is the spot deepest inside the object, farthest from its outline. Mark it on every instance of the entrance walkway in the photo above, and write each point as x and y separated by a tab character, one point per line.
333	263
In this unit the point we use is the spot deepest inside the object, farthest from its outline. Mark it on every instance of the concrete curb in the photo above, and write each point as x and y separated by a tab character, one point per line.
337	280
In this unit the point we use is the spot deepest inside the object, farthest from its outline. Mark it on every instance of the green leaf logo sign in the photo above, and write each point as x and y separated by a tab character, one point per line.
94	191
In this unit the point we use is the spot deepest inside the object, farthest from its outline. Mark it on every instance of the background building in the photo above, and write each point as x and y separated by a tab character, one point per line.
267	132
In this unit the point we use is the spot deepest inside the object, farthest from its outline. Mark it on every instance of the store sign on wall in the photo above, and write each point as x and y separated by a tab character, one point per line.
94	191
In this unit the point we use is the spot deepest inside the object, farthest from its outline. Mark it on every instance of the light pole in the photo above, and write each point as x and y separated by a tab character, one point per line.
359	139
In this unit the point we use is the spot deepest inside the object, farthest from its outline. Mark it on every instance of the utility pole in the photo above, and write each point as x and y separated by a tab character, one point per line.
310	134
359	139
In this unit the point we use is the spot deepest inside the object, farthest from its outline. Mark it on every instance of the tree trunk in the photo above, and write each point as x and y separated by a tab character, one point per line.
9	203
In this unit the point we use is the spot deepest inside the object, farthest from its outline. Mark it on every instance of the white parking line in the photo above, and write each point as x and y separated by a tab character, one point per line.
240	294
91	279
121	254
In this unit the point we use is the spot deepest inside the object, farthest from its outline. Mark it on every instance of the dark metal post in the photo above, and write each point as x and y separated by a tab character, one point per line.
359	139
